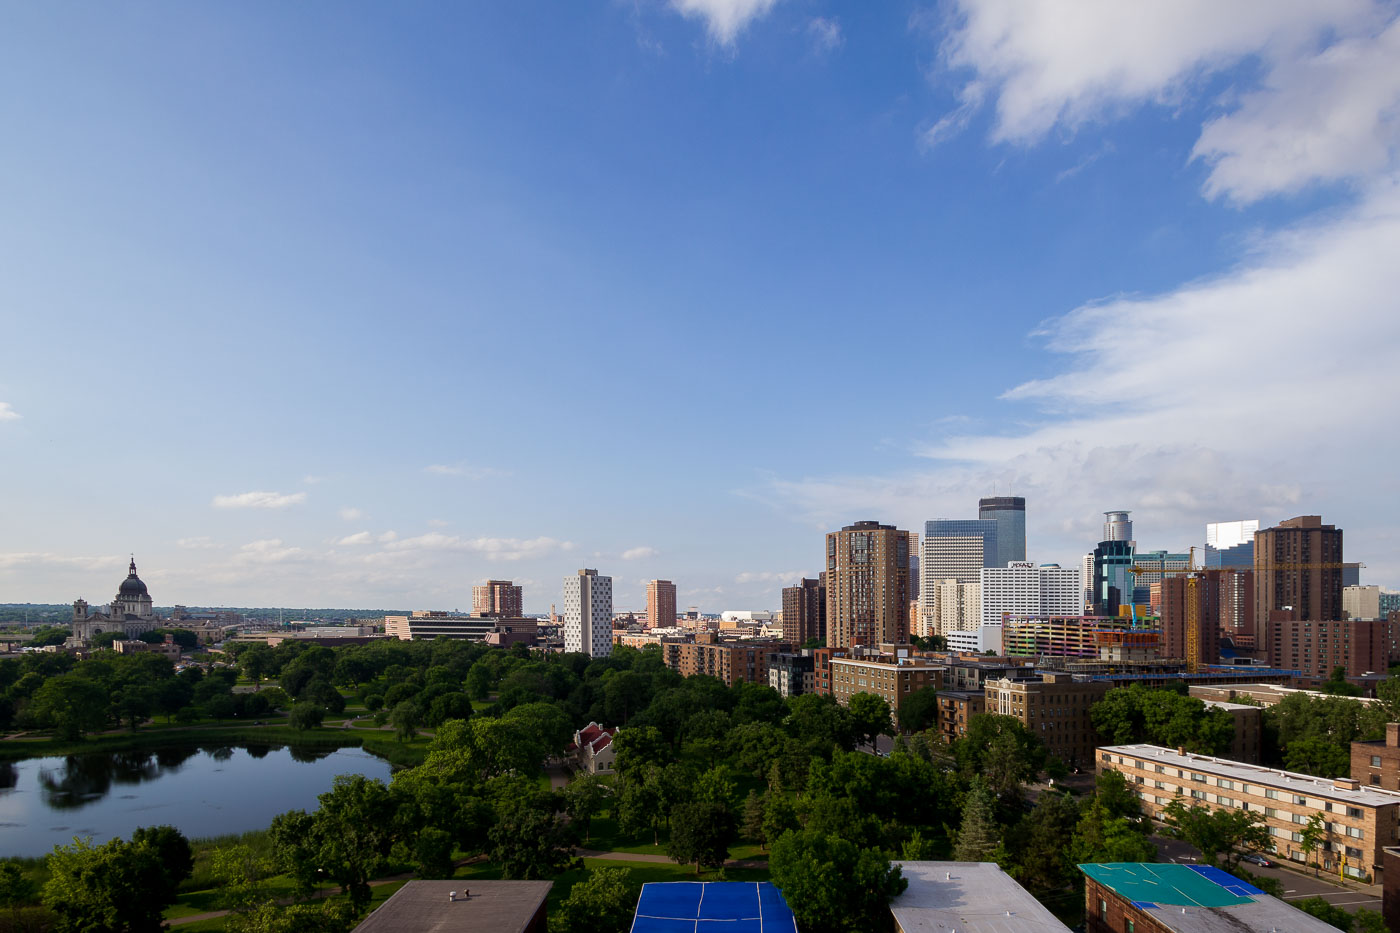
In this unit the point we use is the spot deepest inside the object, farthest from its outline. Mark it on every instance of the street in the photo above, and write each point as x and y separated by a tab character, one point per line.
1296	885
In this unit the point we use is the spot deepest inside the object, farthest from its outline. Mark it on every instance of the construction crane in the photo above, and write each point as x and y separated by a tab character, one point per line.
1193	603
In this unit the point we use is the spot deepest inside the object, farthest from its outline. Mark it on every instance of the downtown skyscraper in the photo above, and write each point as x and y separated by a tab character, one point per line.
1009	512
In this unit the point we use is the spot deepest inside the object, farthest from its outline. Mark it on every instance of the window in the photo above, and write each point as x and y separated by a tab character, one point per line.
1271	793
1375	761
1127	926
1103	909
1354	812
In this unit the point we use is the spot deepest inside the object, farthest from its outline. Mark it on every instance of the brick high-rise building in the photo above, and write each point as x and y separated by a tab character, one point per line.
732	662
661	604
1236	588
497	598
1191	618
1298	564
1315	649
867	585
804	611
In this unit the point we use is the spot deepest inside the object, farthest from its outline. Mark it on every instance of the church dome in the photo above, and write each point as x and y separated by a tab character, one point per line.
132	585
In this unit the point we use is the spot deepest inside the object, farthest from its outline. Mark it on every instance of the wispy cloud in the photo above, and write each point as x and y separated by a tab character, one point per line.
16	559
825	34
311	480
268	551
202	543
462	469
638	553
361	537
7	413
350	514
259	500
724	19
785	577
490	548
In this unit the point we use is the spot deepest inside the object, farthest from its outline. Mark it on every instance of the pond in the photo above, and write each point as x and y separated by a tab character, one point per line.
201	790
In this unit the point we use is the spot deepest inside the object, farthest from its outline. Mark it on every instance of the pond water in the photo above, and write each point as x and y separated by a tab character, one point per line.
201	790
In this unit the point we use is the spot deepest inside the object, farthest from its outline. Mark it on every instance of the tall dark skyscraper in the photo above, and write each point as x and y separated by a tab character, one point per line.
1009	512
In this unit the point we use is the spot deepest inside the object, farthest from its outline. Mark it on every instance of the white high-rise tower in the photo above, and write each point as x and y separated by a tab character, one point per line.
588	609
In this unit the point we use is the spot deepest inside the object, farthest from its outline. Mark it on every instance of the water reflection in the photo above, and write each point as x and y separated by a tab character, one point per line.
211	791
87	779
306	755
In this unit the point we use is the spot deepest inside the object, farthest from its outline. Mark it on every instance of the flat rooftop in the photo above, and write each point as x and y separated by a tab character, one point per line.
718	906
1201	899
1301	784
425	907
969	897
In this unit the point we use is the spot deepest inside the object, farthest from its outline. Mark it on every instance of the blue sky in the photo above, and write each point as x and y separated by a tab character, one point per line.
357	305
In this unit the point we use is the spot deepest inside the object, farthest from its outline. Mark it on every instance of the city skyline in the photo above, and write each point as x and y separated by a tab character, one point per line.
277	275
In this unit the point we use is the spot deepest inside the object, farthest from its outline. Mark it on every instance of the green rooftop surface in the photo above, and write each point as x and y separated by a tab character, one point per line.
1168	884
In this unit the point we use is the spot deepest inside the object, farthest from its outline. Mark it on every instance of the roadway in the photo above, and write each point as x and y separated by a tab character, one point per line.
1297	886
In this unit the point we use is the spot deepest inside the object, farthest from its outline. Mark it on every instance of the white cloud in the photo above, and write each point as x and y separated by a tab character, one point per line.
1053	63
462	469
388	536
7	413
311	480
268	551
785	577
825	34
350	514
490	548
360	537
16	559
724	19
638	553
1234	396
202	543
259	500
1325	117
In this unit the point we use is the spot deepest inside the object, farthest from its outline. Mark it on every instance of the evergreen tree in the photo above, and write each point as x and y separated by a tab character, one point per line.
979	835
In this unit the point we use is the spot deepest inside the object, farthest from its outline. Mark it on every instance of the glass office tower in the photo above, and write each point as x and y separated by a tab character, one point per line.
1009	512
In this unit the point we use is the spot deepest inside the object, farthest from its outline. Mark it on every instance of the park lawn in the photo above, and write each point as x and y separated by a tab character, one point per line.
380	894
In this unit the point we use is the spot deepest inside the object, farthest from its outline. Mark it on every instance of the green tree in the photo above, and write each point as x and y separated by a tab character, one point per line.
70	705
1135	714
530	841
115	886
306	715
405	719
1002	751
172	854
919	710
270	917
585	797
1222	836
1325	911
602	903
870	717
1041	859
1337	684
16	890
1318	755
1311	836
755	809
1367	921
832	885
638	747
979	836
700	833
347	839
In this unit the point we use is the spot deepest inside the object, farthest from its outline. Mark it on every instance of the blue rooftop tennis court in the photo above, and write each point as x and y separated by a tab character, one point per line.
712	906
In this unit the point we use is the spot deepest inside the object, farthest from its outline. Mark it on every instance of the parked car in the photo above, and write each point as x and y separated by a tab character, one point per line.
1259	860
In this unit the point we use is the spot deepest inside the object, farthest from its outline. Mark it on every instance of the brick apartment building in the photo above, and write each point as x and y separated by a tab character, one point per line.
956	709
498	598
1377	764
1315	648
1361	819
733	662
892	676
1056	708
804	611
1297	564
